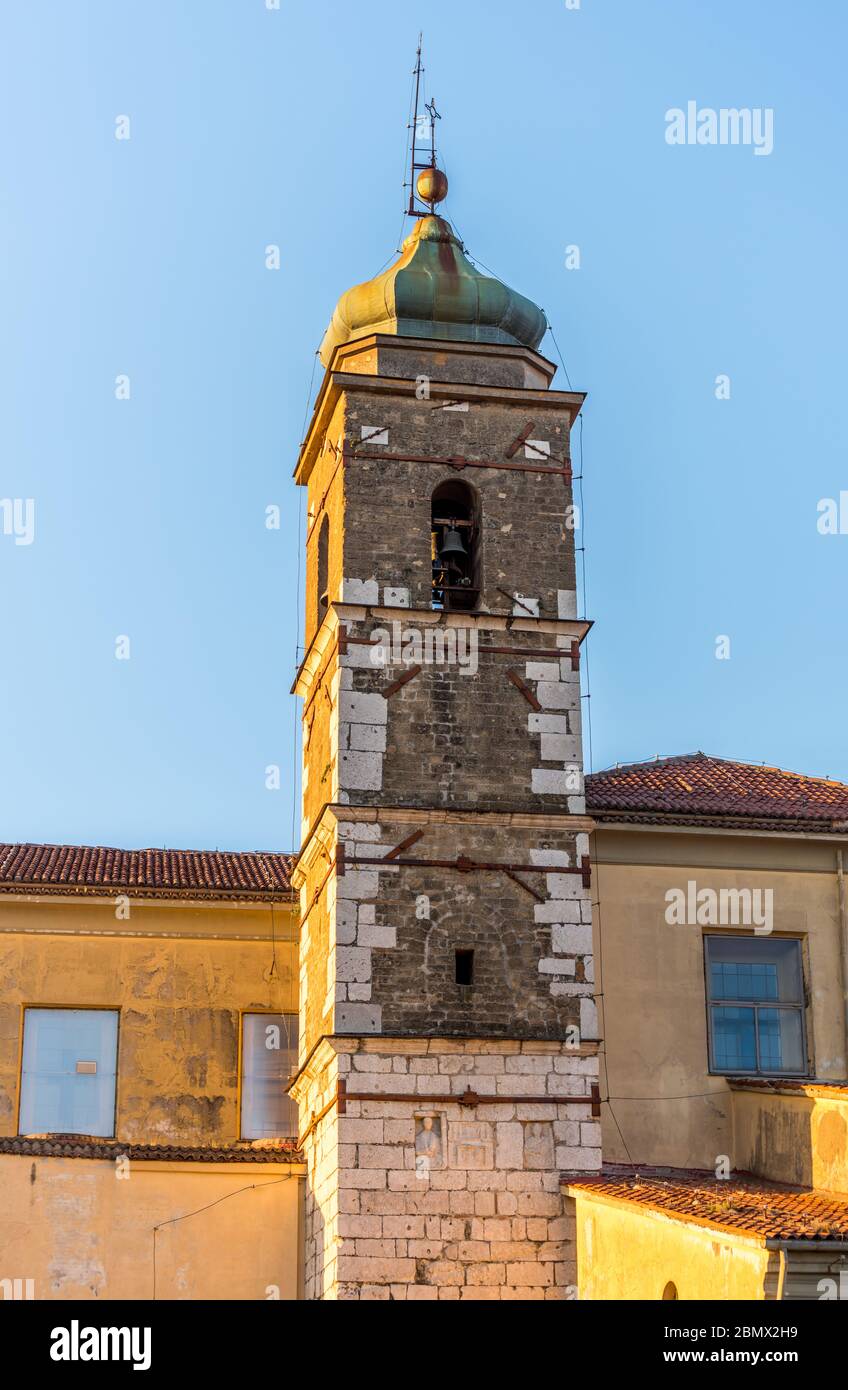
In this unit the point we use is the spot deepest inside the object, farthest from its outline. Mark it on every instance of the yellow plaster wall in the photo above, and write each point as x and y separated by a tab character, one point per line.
179	997
653	1003
81	1233
625	1253
794	1139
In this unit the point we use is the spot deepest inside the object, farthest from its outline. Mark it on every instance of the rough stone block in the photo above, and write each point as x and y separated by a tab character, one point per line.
360	771
556	965
509	1145
553	695
368	737
523	1275
358	1018
353	963
383	937
376	1271
541	671
445	1272
360	591
362	708
572	939
539	723
588	1018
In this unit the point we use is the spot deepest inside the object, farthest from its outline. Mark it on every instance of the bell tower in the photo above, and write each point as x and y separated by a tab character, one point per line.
448	1069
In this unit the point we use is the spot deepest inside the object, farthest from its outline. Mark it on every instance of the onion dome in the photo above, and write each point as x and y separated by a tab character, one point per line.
433	291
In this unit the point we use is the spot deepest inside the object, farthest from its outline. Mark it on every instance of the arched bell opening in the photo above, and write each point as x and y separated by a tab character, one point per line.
455	548
323	569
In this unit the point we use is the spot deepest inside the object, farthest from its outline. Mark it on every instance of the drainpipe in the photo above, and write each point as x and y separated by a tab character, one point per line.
843	945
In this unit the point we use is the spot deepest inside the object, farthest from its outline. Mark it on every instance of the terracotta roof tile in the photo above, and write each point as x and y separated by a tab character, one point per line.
697	787
779	1085
165	872
89	1146
741	1205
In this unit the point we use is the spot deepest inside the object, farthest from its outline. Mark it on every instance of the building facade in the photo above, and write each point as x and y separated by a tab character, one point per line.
722	931
148	1027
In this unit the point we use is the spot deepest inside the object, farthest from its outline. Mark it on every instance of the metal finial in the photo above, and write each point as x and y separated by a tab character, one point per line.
426	181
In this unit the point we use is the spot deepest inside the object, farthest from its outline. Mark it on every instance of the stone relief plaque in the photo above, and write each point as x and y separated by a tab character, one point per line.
471	1145
539	1145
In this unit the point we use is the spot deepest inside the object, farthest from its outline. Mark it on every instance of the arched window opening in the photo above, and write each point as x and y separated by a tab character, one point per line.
323	569
669	1292
455	545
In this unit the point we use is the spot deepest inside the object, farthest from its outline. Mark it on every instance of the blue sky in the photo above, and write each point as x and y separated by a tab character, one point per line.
145	257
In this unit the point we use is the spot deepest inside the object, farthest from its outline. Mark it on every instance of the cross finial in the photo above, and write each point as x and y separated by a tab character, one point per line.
426	180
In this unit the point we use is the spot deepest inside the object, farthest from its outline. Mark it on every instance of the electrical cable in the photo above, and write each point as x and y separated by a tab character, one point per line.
173	1220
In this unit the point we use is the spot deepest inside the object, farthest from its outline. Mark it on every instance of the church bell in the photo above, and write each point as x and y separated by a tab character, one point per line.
452	544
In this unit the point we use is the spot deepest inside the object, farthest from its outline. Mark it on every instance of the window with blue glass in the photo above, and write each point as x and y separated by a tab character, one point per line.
755	988
68	1071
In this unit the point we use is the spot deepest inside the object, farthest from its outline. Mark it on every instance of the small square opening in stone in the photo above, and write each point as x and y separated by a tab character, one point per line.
464	967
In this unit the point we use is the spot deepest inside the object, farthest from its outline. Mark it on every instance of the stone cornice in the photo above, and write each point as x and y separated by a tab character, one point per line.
336	383
322	832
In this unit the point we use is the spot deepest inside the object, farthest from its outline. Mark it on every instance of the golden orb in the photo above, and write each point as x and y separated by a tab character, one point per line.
432	186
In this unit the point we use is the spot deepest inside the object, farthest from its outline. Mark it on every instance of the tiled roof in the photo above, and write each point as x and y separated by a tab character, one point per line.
88	1146
740	1205
695	788
143	872
815	1088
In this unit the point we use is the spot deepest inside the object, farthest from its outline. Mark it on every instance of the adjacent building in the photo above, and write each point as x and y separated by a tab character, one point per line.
148	1028
723	939
722	943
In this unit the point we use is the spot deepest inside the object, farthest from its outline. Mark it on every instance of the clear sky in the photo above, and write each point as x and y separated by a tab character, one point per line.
145	257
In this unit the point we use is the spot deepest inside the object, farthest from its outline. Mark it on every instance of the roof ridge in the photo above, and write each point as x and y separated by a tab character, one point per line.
722	762
658	761
49	868
13	845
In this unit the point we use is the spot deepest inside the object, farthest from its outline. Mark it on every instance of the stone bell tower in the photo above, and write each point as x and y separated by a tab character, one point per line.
448	1067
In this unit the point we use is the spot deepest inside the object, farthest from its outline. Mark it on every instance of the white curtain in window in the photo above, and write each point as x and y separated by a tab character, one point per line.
57	1095
269	1055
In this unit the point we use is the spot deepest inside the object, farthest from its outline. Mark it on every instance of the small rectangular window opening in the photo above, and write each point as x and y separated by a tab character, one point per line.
464	967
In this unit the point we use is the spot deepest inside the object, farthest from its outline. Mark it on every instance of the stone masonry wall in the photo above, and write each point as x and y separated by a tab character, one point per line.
413	1194
378	946
482	1217
527	542
533	964
459	734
